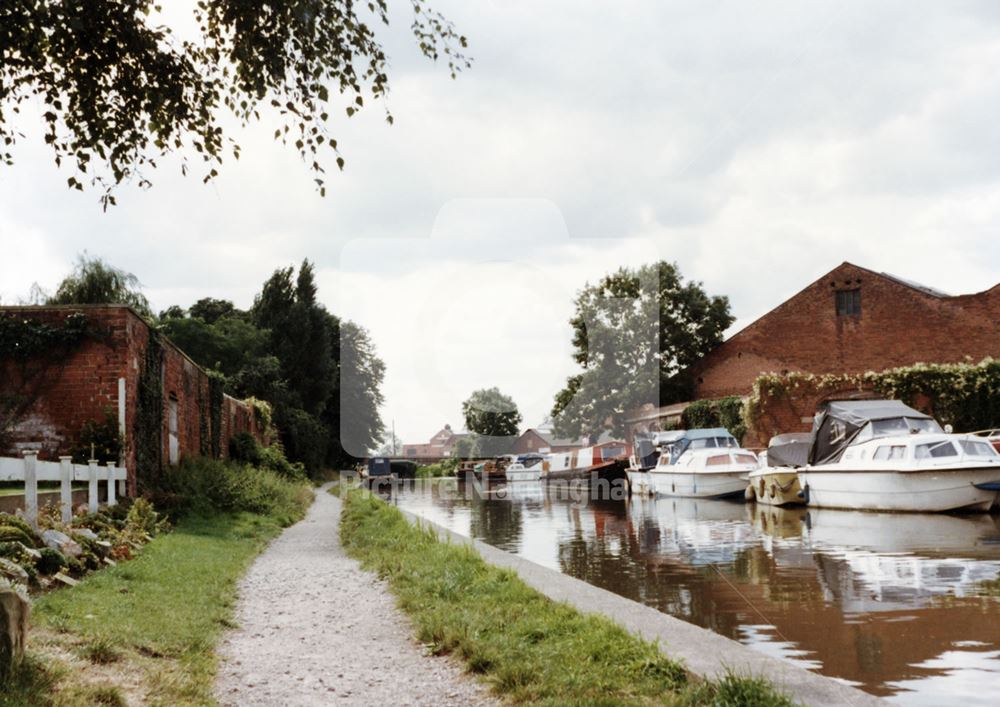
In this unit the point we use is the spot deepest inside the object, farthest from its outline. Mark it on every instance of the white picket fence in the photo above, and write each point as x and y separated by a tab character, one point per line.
30	471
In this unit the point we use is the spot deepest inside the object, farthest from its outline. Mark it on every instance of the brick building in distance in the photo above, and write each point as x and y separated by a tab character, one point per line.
851	320
542	440
117	369
440	446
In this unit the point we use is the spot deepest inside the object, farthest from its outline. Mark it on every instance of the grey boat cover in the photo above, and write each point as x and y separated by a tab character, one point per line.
840	421
791	449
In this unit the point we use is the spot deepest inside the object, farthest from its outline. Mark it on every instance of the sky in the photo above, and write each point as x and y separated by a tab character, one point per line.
757	145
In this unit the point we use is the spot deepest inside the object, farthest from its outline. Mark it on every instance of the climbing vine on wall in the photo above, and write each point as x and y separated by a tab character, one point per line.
216	393
29	351
149	414
965	395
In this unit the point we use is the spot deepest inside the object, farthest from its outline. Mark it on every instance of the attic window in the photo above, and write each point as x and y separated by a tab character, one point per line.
849	302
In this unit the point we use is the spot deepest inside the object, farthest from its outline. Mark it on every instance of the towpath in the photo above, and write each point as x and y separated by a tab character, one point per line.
314	629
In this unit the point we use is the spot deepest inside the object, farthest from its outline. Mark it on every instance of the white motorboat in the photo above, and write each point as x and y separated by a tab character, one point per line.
882	455
702	463
524	467
776	481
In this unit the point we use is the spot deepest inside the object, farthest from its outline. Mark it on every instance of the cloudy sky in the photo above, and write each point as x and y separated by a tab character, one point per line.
758	145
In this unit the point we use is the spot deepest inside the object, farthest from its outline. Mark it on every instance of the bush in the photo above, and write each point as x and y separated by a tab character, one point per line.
7	520
722	412
13	534
244	448
51	562
206	485
142	519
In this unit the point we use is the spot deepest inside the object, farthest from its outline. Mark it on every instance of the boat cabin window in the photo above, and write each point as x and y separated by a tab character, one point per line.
977	449
897	426
888	452
709	442
935	450
718	460
745	459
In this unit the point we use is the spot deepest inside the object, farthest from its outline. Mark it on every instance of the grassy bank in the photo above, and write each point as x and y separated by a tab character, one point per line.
144	631
527	647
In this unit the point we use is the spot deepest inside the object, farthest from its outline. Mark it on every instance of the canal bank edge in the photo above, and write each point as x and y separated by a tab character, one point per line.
704	653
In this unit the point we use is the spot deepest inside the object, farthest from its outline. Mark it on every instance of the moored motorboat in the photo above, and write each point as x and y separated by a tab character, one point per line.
524	467
776	481
588	464
882	455
700	463
492	469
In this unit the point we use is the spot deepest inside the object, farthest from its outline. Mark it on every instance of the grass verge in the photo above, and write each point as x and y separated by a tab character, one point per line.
144	632
529	648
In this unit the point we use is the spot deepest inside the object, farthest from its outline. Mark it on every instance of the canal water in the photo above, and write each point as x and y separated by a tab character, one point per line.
904	606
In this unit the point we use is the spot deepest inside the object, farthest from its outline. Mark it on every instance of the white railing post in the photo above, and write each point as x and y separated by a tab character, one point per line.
66	488
92	486
112	501
31	487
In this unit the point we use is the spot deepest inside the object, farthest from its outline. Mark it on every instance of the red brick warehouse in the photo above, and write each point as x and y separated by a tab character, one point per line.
101	374
849	321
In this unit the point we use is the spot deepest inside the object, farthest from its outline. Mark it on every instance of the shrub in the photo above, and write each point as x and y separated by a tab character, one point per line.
722	412
143	519
99	439
274	458
206	485
51	562
13	534
244	448
6	519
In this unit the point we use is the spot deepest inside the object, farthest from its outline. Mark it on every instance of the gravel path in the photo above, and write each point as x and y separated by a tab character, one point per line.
316	629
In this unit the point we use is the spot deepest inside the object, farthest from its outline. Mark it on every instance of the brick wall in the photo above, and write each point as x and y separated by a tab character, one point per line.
899	325
84	386
73	390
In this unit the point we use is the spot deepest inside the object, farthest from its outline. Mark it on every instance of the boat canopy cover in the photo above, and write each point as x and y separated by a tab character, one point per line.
790	449
839	422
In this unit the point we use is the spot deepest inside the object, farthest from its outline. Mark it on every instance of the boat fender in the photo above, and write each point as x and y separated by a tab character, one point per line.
804	494
749	493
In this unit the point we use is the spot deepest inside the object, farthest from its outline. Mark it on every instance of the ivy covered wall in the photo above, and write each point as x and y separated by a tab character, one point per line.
964	395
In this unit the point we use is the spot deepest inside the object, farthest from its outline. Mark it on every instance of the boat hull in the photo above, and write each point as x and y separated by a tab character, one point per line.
775	487
612	470
523	474
721	484
929	490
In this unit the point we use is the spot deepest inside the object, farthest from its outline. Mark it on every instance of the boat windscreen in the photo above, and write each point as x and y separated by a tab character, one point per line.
844	422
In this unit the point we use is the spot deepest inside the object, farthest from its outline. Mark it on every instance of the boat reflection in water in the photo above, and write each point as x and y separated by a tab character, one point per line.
901	605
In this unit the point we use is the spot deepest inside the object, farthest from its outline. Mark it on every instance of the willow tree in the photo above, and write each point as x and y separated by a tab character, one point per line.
118	88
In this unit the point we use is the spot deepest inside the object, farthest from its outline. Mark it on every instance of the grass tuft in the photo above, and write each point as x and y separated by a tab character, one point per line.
101	651
529	648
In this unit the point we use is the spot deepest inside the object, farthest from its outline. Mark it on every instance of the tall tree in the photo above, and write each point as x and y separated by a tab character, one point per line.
94	281
493	417
635	335
118	90
357	421
299	335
